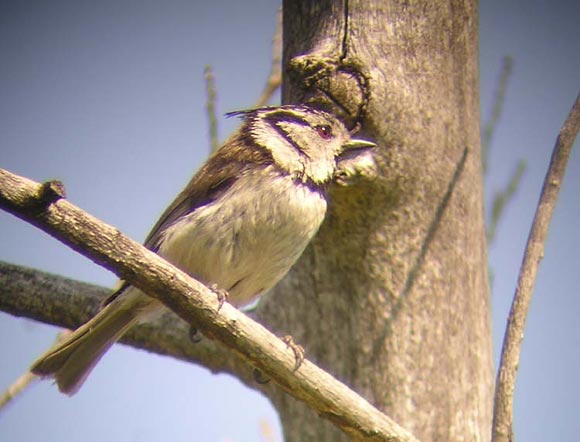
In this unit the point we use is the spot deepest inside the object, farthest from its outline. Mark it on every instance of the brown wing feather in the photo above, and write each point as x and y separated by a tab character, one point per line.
221	170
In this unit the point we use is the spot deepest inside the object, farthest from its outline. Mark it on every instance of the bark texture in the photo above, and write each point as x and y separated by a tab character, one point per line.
392	296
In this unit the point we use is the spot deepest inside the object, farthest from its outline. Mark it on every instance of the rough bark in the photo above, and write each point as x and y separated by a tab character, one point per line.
392	296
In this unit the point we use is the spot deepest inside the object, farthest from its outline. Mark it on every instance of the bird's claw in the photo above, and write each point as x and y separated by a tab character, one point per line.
194	334
259	377
297	349
221	294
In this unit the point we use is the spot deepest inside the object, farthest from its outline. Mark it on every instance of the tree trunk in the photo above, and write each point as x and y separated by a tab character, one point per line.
392	296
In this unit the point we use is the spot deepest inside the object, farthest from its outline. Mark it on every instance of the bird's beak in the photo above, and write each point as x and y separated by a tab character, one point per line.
355	144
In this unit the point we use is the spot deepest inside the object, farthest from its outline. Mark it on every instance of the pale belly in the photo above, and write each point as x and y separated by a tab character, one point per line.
248	239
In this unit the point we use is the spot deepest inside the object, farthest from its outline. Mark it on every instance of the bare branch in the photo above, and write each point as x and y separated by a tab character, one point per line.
505	383
23	382
68	303
489	129
45	207
502	198
275	78
210	107
15	389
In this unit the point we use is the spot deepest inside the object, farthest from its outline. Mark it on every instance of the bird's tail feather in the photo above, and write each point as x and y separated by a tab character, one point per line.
71	360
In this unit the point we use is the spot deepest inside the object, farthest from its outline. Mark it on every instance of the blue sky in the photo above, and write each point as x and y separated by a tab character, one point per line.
109	97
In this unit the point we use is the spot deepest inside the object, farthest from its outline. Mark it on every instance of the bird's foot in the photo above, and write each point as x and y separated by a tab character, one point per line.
221	294
194	334
260	377
297	349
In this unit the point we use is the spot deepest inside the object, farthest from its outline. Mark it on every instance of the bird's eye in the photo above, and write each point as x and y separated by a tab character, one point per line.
324	131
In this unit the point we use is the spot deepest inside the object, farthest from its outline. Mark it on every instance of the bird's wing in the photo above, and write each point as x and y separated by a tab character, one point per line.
217	175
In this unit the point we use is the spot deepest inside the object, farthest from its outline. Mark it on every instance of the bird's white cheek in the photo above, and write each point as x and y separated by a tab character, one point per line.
284	154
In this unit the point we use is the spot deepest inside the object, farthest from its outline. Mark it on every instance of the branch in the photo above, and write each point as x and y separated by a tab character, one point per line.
505	383
502	198
45	207
210	90
488	131
23	382
16	388
275	78
68	303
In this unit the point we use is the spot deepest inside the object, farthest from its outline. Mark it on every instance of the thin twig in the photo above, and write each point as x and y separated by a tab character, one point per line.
15	389
45	207
23	382
505	383
502	198
275	78
210	107
489	129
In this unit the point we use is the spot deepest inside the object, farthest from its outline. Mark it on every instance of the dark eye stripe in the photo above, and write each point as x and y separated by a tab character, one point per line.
287	117
283	116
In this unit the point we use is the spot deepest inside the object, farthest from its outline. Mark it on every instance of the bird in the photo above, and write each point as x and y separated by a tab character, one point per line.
239	225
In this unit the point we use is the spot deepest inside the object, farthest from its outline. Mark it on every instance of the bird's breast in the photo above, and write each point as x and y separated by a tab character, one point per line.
246	240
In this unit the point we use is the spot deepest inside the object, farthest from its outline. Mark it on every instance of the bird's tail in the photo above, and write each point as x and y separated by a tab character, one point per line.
71	360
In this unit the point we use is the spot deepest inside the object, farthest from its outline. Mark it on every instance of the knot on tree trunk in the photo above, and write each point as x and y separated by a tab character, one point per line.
336	84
